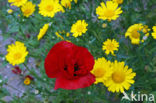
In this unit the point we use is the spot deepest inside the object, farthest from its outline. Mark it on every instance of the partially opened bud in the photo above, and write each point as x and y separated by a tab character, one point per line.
16	70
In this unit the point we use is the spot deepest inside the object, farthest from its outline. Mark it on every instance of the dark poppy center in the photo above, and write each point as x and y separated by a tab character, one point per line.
76	67
65	68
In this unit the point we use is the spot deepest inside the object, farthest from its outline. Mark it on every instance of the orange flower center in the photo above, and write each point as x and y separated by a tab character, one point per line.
27	11
110	46
27	81
49	8
135	34
109	13
17	56
79	28
118	77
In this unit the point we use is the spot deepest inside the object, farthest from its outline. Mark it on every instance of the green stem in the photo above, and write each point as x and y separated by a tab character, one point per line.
98	38
12	87
27	68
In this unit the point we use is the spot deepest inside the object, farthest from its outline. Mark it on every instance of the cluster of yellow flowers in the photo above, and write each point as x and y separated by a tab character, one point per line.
114	75
134	33
27	7
107	11
47	8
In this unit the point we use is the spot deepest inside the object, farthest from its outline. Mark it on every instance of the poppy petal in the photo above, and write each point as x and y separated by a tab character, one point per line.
56	56
85	60
51	65
81	82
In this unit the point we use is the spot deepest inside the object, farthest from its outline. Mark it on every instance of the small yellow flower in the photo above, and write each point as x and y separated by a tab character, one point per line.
108	11
66	3
43	31
16	53
134	32
10	11
17	3
102	70
110	46
67	34
78	28
154	32
28	9
27	81
121	77
104	25
48	8
59	36
118	1
142	41
145	29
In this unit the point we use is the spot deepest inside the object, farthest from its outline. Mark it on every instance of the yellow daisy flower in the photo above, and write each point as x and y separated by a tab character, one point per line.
66	3
110	46
121	77
10	11
78	28
102	70
134	32
43	31
16	53
17	3
154	32
118	1
48	8
109	12
28	9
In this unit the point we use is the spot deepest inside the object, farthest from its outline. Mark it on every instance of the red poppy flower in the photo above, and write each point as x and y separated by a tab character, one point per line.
70	65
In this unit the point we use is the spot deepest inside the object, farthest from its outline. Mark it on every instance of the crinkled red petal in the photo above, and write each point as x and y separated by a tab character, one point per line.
81	82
